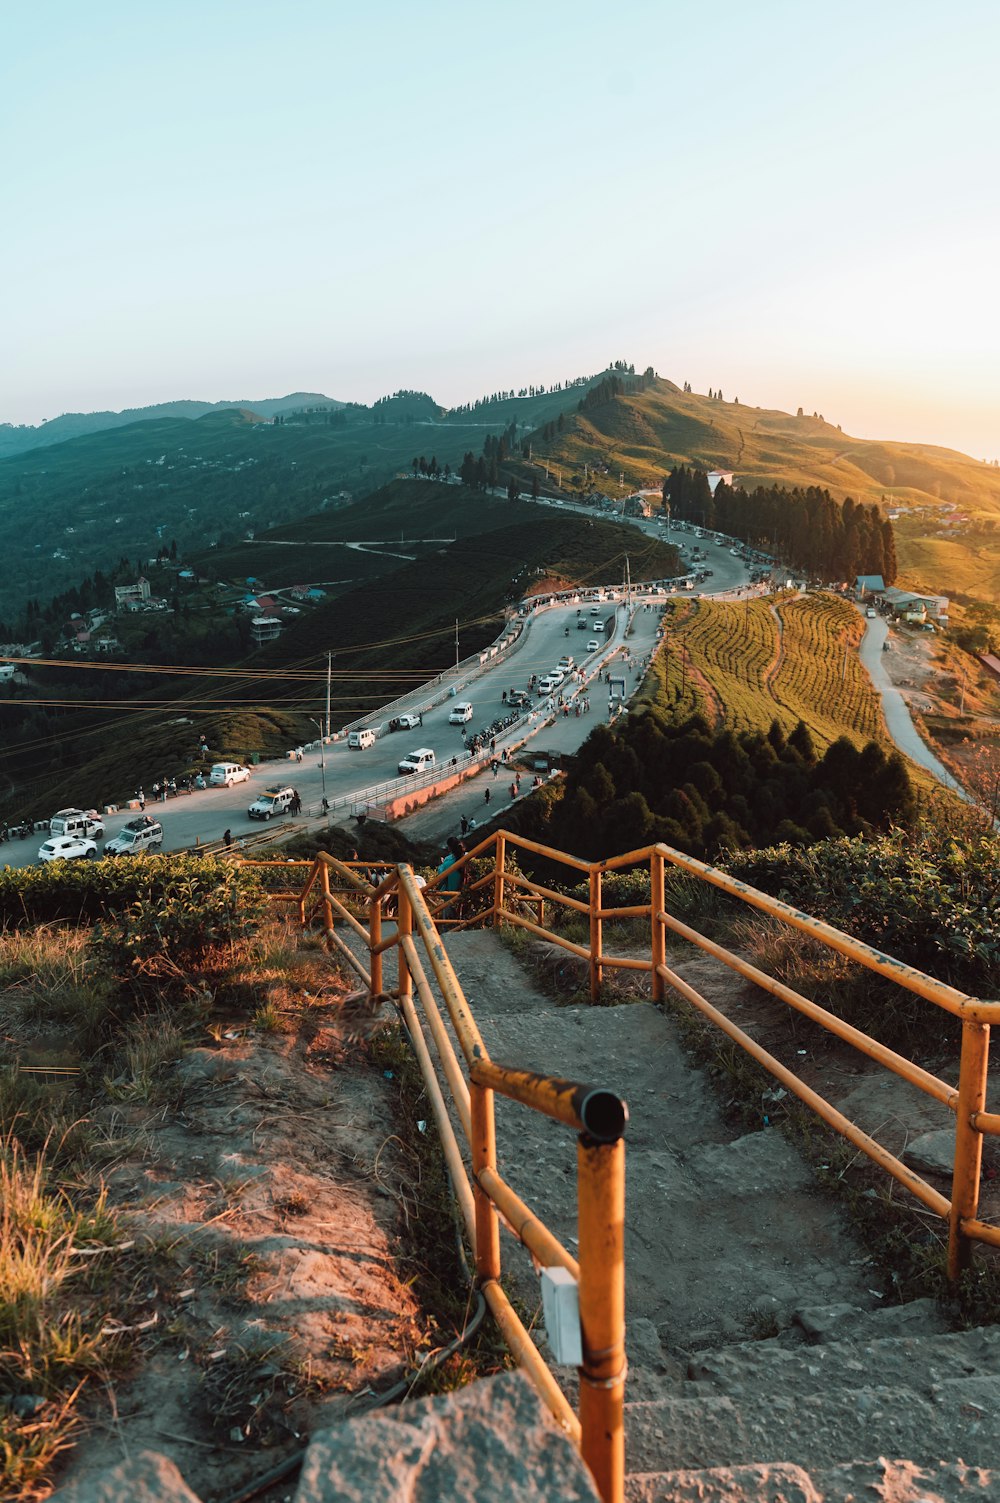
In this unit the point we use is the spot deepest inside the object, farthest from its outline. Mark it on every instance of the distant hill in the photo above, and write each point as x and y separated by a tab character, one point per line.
206	475
940	493
70	508
18	440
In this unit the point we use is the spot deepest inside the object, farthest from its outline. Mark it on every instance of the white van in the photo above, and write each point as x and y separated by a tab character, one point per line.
361	740
418	761
225	774
545	685
139	835
83	825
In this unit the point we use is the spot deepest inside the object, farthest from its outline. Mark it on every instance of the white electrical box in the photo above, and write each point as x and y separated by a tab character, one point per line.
561	1312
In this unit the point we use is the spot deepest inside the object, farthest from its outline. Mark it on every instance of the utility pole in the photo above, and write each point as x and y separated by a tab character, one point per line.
456	644
329	675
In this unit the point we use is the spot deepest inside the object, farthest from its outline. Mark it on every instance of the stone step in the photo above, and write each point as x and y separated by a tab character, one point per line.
956	1419
861	1356
898	1481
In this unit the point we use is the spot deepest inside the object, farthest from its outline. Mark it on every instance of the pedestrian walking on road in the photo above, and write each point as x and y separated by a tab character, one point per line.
465	825
227	839
142	800
486	795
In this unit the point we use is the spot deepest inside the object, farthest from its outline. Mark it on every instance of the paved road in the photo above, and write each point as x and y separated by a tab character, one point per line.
202	817
897	716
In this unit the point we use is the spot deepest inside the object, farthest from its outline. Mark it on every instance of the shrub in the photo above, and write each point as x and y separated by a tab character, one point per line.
181	924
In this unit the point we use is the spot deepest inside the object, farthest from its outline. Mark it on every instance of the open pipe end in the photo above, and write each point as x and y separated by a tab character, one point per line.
603	1114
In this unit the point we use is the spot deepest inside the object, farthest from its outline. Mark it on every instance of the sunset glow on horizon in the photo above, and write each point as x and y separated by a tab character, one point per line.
229	203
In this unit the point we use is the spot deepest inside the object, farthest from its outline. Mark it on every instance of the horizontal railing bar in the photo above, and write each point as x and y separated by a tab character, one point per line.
626	962
526	1355
905	1068
982	1231
355	880
931	1198
526	1226
385	944
637	910
535	889
446	1053
555	939
449	1143
546	850
590	1109
938	992
986	1122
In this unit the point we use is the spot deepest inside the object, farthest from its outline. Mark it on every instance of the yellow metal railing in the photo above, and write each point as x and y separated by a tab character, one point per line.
966	1099
498	892
455	1064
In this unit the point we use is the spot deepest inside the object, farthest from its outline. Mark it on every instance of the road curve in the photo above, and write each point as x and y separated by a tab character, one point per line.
897	715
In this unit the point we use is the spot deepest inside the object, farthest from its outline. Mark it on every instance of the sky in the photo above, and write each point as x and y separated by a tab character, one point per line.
796	204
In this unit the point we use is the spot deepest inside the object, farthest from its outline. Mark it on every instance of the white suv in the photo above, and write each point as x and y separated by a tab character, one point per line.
276	800
418	761
460	714
67	848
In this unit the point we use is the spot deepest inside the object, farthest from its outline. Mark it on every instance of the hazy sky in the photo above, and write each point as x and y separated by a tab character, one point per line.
795	203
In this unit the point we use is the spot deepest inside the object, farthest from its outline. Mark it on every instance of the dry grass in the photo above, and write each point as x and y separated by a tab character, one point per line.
52	1325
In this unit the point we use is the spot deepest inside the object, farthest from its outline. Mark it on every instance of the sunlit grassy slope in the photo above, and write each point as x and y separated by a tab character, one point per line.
644	434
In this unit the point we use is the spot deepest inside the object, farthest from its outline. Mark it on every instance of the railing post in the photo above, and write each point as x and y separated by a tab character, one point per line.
596	935
500	858
968	1143
601	1190
404	928
658	935
484	1156
374	940
325	889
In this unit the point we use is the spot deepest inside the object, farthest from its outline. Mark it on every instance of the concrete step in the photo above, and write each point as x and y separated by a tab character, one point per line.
890	1481
860	1356
956	1419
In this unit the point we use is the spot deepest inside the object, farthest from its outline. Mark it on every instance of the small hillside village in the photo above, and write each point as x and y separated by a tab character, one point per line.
110	630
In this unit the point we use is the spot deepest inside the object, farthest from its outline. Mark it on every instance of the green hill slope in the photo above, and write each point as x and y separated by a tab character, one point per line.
643	434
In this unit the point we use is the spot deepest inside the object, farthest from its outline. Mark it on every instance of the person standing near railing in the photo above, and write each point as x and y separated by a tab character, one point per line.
454	879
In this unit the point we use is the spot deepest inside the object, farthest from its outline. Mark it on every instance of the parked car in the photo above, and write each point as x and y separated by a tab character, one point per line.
418	761
277	799
593	646
518	699
144	834
870	613
460	713
67	848
225	774
407	722
361	740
